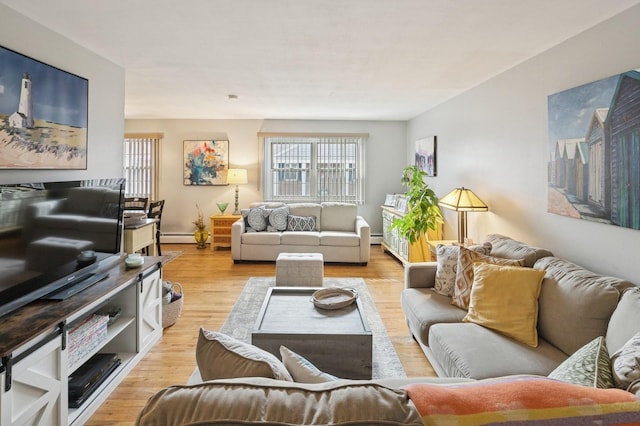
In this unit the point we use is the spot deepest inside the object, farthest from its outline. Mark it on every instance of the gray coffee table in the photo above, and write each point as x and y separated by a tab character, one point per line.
338	341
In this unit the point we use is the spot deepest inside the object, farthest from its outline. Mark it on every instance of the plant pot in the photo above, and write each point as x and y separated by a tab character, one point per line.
201	236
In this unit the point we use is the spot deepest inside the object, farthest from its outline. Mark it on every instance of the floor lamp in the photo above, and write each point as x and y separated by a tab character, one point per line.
462	200
237	177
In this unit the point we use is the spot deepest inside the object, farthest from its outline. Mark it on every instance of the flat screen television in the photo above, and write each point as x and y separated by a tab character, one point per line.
56	236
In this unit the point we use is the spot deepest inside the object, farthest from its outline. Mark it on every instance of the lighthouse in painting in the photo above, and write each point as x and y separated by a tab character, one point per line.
23	118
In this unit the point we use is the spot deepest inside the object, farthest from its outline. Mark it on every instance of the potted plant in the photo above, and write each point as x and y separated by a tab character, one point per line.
423	213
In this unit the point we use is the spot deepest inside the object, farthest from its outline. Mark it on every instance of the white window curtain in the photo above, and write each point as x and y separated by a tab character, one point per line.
313	167
141	160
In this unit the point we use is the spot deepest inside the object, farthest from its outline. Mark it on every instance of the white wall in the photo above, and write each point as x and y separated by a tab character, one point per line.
106	96
383	156
493	139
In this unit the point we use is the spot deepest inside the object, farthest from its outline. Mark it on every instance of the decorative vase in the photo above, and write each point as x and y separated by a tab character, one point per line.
201	235
222	207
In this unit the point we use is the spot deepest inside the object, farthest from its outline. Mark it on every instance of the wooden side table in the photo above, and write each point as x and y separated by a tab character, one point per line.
221	229
434	243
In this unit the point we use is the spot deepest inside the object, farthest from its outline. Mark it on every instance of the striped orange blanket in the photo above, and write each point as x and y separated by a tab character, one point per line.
523	400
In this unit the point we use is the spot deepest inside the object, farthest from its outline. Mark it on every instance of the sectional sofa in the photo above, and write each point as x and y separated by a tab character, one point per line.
574	307
333	229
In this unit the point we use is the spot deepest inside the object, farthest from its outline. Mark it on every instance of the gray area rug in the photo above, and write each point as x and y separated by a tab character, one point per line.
242	318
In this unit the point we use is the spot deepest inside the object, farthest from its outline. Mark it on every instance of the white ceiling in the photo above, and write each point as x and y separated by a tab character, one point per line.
311	59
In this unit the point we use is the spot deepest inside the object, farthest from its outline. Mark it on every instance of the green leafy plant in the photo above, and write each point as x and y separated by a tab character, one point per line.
423	212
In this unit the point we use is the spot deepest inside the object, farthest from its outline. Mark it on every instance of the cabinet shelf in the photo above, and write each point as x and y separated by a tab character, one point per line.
398	246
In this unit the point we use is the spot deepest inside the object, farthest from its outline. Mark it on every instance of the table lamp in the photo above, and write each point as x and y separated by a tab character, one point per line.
462	200
237	177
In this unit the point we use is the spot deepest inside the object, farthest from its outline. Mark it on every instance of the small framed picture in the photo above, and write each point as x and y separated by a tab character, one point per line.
401	204
426	155
390	200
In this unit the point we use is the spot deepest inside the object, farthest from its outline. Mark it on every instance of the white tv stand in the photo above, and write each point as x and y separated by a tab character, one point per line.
34	367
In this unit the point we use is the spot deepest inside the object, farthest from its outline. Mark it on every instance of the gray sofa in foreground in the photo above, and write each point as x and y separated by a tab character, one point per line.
333	229
575	306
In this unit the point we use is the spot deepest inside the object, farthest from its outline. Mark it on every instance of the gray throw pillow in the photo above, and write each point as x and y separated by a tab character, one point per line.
301	223
278	219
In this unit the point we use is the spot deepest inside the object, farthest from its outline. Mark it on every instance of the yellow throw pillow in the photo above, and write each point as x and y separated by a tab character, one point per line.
464	273
505	299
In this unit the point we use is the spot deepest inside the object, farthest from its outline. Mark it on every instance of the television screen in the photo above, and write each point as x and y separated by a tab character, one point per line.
55	234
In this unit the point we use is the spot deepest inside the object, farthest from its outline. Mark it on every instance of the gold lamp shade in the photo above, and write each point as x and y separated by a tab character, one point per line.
462	200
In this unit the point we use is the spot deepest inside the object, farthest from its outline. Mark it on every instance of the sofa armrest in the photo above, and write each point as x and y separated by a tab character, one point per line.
420	274
237	229
364	232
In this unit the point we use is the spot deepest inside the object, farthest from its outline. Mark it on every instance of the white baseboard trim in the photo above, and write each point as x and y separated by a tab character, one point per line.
188	238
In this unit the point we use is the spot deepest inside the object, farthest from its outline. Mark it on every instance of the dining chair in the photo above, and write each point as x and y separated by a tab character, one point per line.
155	212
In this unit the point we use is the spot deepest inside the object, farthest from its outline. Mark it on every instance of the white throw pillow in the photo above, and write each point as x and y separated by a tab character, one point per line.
301	369
625	363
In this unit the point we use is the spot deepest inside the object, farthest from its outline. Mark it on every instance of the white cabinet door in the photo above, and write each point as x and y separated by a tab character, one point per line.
34	387
149	310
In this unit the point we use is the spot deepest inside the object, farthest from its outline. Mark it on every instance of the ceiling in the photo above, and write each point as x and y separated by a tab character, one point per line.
310	59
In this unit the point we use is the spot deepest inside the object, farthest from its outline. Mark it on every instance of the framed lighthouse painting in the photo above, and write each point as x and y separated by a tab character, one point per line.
43	115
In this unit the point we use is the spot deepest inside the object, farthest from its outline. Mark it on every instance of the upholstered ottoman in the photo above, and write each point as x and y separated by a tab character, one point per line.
299	269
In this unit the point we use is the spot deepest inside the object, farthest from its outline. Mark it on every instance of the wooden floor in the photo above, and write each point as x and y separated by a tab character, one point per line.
211	283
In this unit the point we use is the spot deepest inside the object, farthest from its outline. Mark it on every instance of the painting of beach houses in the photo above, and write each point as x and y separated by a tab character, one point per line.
594	151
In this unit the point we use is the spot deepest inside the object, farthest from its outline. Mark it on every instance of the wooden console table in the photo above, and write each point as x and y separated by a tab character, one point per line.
139	236
221	229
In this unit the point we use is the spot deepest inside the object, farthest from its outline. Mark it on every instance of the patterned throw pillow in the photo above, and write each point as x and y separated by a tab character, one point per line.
301	223
447	258
278	219
301	369
464	273
626	363
256	218
588	366
222	357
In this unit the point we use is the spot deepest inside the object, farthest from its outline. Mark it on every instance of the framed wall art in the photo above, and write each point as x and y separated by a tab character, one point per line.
594	151
426	155
43	115
206	162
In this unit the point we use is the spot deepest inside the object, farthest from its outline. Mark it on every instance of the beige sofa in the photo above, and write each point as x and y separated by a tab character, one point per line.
575	306
333	229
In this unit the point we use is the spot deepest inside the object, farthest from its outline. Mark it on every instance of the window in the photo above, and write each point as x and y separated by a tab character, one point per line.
313	167
140	164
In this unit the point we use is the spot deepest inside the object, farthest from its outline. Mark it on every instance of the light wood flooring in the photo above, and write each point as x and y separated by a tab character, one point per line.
211	283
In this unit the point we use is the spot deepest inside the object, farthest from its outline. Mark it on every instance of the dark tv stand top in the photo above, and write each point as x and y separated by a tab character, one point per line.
40	316
77	286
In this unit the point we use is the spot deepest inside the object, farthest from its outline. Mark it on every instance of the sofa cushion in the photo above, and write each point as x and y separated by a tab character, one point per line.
502	246
301	223
575	304
297	238
261	238
301	369
522	400
220	356
588	366
464	273
625	320
339	216
505	299
273	402
87	200
423	308
472	351
342	239
625	363
307	209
